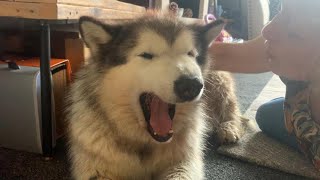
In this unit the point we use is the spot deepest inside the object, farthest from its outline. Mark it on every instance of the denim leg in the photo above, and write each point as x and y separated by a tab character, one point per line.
270	119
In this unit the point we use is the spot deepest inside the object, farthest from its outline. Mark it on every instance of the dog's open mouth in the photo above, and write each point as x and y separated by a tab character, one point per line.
158	115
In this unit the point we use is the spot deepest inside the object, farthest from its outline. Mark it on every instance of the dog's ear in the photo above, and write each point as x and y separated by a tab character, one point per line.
212	30
94	32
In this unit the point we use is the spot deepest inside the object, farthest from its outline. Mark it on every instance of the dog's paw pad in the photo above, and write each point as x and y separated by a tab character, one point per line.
228	133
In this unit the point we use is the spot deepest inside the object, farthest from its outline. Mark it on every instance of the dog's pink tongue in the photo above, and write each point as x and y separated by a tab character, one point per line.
160	120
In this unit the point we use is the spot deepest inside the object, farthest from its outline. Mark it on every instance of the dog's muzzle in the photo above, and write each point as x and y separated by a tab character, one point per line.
187	88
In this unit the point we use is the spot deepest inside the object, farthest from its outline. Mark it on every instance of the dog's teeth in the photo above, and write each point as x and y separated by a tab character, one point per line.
171	131
155	133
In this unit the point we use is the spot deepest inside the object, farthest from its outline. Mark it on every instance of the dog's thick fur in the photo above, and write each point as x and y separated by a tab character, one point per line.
108	134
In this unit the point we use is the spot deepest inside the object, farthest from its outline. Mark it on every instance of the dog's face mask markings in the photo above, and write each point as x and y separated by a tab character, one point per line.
161	70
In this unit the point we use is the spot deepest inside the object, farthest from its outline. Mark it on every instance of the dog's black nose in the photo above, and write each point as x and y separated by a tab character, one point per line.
187	88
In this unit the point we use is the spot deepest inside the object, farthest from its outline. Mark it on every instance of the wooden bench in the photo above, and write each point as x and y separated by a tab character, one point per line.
69	9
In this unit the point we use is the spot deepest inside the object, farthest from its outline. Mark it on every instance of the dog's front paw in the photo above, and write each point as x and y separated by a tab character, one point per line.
177	177
229	132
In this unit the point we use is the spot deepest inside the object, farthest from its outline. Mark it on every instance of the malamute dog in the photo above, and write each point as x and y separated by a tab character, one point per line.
141	107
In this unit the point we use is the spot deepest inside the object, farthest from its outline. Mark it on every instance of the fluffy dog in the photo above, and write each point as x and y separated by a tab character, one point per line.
141	107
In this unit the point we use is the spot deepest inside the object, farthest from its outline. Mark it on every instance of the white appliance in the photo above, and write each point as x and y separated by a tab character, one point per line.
20	109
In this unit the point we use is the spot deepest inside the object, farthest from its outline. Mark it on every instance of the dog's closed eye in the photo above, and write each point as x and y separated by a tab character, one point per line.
191	54
147	56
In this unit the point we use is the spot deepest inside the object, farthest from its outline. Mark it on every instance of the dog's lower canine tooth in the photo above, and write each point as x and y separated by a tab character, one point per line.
155	133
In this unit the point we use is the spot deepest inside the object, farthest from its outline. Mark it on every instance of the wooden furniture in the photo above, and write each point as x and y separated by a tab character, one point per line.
46	17
69	9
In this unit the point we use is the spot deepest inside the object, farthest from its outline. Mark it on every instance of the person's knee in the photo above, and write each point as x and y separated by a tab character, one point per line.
270	114
262	115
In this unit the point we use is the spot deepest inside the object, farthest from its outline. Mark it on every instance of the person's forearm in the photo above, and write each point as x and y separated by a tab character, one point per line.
248	57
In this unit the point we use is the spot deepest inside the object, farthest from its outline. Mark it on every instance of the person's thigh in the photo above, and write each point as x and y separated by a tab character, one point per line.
270	119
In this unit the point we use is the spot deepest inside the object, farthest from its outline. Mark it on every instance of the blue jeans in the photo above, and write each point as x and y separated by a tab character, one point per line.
270	119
